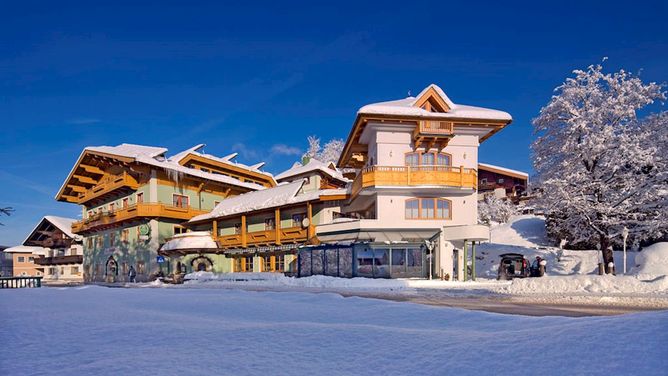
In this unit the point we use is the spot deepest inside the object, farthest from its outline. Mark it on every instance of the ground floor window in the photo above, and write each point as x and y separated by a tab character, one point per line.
74	270
373	263
280	263
243	264
141	267
267	264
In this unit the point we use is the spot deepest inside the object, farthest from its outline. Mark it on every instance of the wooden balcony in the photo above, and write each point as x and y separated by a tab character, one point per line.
435	128
264	237
133	212
107	185
59	260
433	133
415	176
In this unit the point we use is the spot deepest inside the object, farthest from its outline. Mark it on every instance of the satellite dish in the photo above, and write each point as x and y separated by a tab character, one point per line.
305	222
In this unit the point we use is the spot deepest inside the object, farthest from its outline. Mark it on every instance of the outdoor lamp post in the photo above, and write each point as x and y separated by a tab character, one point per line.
430	247
625	235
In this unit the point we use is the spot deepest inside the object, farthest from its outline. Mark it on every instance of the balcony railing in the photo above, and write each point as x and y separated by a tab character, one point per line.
59	260
142	210
435	127
108	184
413	176
264	237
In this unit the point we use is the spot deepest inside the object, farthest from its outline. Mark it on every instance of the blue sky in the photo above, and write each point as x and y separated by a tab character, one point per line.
258	78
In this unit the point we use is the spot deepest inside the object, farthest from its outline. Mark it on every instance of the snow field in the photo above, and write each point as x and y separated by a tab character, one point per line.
112	331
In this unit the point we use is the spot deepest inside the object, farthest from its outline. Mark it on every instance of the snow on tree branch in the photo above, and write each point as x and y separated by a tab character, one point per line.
600	167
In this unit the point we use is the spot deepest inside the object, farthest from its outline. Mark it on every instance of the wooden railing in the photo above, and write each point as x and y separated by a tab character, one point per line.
20	282
59	260
142	210
413	176
435	127
108	184
264	237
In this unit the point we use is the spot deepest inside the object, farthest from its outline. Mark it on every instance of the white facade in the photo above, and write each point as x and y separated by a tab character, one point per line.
418	177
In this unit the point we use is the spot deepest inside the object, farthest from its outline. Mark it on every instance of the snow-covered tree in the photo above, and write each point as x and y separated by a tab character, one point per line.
494	209
329	153
600	168
313	149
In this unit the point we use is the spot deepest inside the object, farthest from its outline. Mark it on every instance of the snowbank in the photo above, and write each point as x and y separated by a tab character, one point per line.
208	279
652	261
587	284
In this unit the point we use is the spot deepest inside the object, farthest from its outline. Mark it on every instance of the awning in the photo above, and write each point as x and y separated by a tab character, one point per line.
466	232
257	250
190	242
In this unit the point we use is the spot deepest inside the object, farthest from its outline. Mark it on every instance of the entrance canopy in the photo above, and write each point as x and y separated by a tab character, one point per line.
475	233
190	242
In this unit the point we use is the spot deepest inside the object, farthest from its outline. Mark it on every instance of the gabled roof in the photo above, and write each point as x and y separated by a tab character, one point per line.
228	159
61	223
154	156
313	165
503	170
281	195
409	107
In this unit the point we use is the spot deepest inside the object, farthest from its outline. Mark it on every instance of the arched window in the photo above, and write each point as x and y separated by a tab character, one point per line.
428	208
412	159
443	209
412	209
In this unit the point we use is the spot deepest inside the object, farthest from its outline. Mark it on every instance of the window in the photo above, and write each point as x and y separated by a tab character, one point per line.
126	201
62	270
52	270
237	228
73	251
280	263
443	159
112	238
266	264
39	273
442	209
21	259
111	207
412	209
140	197
179	230
125	235
297	219
427	210
500	180
243	264
89	242
269	224
412	159
483	181
74	270
428	159
180	201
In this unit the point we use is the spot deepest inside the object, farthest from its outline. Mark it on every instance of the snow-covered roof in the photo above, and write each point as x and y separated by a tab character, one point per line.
281	195
407	107
130	150
63	224
228	159
41	251
313	164
190	240
503	169
155	156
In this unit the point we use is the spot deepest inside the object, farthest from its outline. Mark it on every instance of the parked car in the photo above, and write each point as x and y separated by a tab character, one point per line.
513	265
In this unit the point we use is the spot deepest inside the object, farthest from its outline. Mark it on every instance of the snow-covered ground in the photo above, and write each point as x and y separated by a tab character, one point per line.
113	331
569	273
